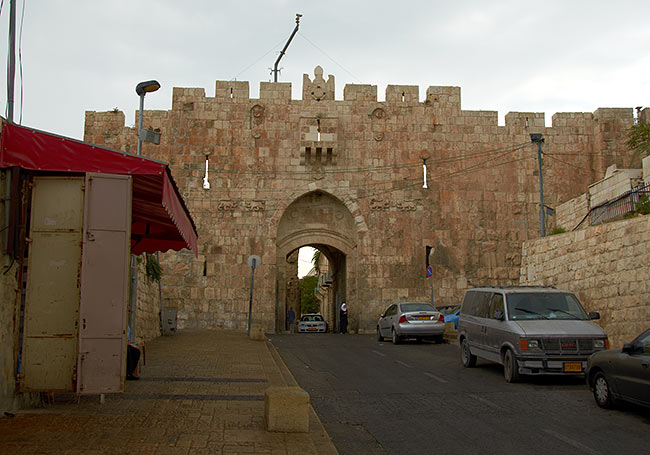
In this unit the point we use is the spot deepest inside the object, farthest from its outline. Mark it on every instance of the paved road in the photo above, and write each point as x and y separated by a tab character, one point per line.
413	398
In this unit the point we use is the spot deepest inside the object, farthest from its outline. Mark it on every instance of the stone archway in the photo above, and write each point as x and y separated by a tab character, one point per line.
320	220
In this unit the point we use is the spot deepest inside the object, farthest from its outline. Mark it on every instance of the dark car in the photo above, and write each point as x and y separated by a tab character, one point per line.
621	375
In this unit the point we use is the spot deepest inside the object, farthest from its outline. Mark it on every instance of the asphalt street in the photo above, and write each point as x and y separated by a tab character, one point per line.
376	397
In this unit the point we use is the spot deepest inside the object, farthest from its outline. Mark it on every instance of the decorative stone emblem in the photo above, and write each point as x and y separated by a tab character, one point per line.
377	118
319	89
257	121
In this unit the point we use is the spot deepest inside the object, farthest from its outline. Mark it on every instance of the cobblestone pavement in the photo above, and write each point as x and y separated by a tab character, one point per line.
200	392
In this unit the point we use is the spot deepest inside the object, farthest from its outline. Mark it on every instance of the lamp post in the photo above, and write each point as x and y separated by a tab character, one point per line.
142	89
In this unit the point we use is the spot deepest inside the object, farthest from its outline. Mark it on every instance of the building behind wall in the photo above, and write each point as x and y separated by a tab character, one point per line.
346	176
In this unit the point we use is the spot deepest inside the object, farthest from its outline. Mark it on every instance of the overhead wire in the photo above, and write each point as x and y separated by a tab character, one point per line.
326	55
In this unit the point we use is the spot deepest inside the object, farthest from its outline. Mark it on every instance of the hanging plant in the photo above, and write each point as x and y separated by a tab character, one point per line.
152	267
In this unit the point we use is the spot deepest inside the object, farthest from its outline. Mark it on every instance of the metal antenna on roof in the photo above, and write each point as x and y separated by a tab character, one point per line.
275	69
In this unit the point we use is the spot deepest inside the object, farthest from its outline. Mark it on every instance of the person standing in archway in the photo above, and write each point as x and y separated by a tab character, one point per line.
291	317
344	318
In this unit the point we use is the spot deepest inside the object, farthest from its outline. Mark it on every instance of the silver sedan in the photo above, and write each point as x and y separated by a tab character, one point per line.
411	320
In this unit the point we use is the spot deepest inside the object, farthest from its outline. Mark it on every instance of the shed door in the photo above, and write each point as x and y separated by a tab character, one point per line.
49	354
105	257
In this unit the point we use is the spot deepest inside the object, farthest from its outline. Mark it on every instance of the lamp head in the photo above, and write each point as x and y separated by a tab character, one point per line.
146	87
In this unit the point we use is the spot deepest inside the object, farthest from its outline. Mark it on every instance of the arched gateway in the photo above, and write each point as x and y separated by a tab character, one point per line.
320	220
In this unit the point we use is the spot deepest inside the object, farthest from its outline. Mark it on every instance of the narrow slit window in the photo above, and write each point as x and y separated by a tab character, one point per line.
329	155
319	155
307	155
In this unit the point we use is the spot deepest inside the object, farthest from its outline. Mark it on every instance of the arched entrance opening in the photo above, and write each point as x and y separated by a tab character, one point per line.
321	221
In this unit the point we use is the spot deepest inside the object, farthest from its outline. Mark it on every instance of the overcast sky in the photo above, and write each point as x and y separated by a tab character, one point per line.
544	56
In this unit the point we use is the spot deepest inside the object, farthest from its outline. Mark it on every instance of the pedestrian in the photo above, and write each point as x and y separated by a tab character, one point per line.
344	318
132	358
291	317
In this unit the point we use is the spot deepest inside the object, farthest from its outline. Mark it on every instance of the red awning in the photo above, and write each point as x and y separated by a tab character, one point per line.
160	219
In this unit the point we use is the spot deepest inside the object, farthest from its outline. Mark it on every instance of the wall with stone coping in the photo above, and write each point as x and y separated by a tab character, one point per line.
606	266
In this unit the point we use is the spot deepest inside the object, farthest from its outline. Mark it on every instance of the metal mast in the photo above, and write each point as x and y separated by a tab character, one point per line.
275	70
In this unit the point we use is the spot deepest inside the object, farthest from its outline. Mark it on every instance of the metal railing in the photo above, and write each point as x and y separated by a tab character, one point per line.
616	208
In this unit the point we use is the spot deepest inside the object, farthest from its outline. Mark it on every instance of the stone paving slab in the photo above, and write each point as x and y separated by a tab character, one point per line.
201	392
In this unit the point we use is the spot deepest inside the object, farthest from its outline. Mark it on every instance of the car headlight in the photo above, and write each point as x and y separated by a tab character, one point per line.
601	344
527	345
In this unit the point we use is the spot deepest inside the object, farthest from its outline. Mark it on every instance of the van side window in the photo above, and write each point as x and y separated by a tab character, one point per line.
497	306
469	303
483	304
476	303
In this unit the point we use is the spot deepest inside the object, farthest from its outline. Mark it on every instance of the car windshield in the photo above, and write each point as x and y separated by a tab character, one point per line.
545	306
312	317
409	307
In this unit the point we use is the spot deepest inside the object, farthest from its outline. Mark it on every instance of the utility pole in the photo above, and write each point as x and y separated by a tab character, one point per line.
537	138
295	30
11	66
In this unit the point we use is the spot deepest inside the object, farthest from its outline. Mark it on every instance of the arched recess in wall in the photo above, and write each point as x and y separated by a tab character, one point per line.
321	220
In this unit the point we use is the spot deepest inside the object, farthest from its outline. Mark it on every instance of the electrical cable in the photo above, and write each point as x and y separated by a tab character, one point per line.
257	61
325	54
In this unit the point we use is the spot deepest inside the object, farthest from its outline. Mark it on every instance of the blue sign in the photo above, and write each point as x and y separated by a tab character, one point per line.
429	271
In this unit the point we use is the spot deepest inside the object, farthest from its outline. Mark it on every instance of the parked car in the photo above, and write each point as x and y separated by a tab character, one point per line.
312	322
529	330
621	375
411	320
450	312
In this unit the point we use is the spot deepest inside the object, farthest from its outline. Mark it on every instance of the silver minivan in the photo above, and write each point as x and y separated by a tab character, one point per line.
529	330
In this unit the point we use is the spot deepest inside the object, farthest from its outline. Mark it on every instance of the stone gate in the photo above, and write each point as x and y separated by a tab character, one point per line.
346	176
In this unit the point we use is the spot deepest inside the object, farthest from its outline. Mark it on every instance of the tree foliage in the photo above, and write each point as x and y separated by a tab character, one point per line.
308	301
639	141
316	261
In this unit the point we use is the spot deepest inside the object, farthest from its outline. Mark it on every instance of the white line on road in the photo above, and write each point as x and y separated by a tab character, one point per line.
433	376
488	402
379	353
403	364
571	442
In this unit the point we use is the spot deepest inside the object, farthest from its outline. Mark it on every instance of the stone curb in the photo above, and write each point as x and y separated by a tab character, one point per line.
323	444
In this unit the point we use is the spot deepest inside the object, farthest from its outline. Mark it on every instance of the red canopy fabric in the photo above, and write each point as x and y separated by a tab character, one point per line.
160	219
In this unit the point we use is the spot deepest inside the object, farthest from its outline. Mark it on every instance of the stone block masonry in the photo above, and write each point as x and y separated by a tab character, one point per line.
606	266
346	176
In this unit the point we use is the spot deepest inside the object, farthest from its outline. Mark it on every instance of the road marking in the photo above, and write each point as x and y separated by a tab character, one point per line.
379	353
433	376
571	442
488	402
403	364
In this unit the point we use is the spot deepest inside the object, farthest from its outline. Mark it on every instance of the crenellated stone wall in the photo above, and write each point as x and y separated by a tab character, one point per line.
366	158
606	266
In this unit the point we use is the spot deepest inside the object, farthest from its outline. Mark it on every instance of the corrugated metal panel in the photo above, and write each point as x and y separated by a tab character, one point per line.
52	292
104	283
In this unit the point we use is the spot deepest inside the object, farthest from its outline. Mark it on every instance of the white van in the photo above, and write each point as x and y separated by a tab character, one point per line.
529	330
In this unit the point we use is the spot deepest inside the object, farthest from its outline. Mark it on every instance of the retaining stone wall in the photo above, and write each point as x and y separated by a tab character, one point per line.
606	266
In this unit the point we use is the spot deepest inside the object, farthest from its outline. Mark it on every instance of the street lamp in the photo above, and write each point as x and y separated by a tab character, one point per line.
142	89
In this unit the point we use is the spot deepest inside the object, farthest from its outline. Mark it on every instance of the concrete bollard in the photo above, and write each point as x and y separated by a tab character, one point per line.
257	333
286	409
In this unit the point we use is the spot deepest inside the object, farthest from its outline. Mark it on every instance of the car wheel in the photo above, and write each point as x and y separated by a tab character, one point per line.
379	337
396	337
469	359
510	367
602	392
